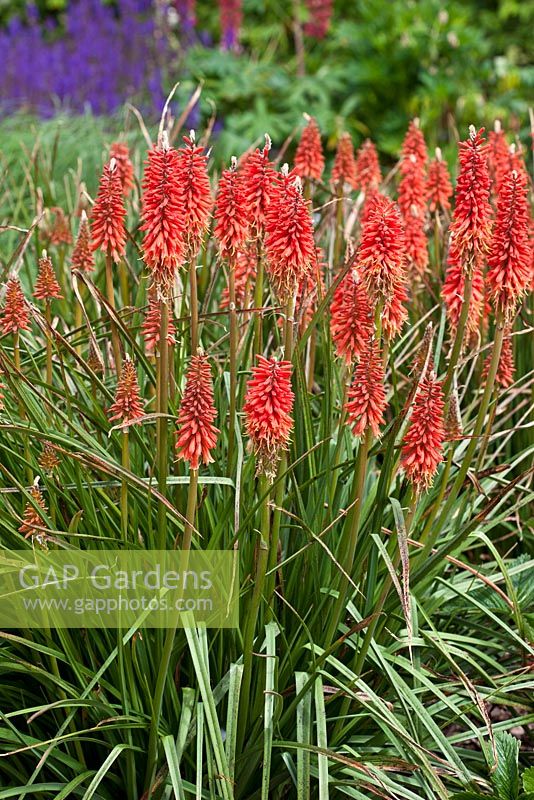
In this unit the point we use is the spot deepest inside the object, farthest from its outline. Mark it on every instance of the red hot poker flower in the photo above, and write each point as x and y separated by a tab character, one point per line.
14	315
289	242
120	152
344	168
32	521
197	435
320	13
438	185
162	214
245	275
231	228
258	179
510	257
151	327
195	189
367	168
412	197
471	224
414	145
381	255
268	406
422	449
351	320
107	226
498	157
309	158
46	285
82	254
366	399
128	405
59	230
394	313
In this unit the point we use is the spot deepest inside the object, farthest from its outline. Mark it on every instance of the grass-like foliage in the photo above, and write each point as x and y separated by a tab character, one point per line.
378	498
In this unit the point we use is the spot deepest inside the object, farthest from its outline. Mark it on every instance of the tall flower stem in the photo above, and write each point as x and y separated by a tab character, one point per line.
474	441
459	336
123	277
253	611
166	654
162	403
233	366
124	484
338	240
111	300
258	303
48	317
193	306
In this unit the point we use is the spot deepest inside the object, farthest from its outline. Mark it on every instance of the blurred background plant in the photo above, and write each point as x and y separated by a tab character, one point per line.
366	66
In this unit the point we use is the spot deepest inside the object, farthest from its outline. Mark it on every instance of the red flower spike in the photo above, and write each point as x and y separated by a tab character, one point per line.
414	145
308	290
344	168
107	216
82	254
309	158
366	398
367	168
258	180
150	330
452	293
351	320
381	255
231	228
59	230
246	264
471	225
32	521
14	316
289	242
46	285
510	257
120	152
268	406
162	214
438	185
195	192
197	435
498	157
506	366
128	405
412	197
422	449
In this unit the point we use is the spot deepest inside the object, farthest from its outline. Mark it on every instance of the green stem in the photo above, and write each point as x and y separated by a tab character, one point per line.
124	484
459	337
48	317
111	300
233	367
193	306
162	402
258	303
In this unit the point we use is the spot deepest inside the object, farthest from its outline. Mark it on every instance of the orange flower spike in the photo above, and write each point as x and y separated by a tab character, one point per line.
14	316
107	217
471	225
438	185
268	406
351	320
289	242
309	158
82	255
367	168
395	313
128	405
121	153
32	520
163	213
46	286
195	191
150	330
422	449
381	255
412	197
366	398
258	181
231	228
344	168
498	157
197	435
452	293
510	256
59	230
